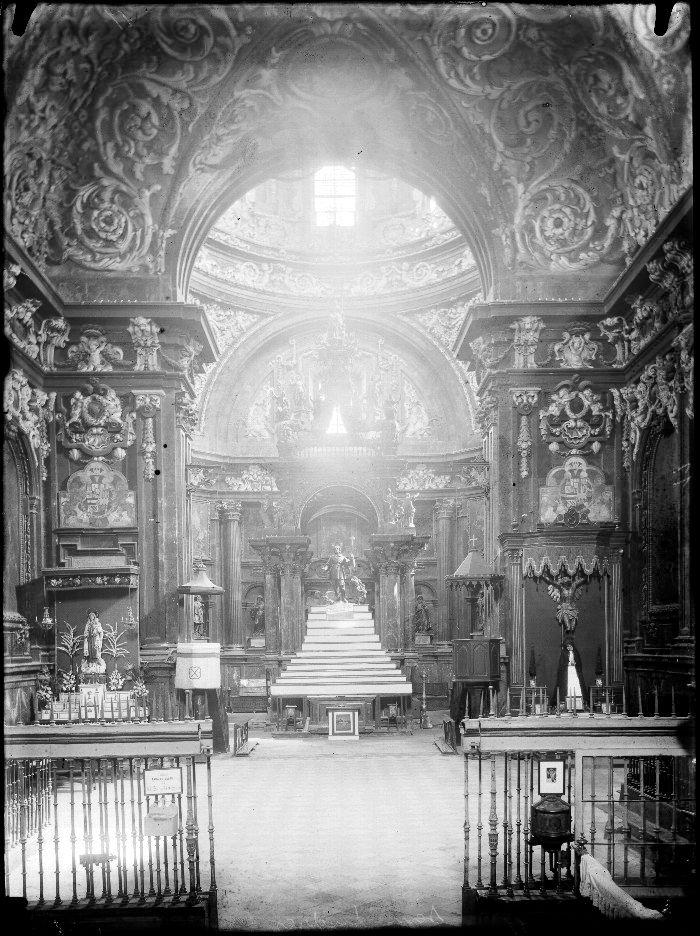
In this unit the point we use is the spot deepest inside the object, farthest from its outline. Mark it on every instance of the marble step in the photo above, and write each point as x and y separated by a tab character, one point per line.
370	640
346	673
337	630
340	691
301	663
361	655
339	607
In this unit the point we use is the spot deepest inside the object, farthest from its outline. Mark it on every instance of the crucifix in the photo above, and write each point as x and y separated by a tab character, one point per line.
472	543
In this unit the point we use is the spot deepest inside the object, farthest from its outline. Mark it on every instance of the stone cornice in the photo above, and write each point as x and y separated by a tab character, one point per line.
447	292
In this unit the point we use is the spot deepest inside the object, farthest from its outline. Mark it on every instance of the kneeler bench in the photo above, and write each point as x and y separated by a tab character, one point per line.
242	744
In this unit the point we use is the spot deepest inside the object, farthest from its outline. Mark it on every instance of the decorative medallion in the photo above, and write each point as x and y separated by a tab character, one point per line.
95	425
575	418
97	496
575	493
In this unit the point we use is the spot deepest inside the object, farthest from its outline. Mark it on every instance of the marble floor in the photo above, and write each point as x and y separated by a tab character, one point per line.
316	834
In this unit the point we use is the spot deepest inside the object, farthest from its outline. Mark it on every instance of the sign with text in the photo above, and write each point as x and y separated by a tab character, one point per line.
164	780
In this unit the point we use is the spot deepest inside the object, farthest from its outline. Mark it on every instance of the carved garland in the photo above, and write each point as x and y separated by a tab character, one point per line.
147	405
524	402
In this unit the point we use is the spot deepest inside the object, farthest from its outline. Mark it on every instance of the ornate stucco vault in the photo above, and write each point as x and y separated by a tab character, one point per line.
555	142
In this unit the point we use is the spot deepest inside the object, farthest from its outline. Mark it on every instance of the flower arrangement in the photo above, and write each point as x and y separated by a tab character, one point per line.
45	688
116	680
68	680
139	689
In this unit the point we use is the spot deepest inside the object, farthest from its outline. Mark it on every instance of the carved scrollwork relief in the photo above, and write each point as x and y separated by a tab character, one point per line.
422	478
525	340
252	478
135	125
27	411
655	394
95	425
486	412
575	349
673	272
144	335
489	352
94	352
575	418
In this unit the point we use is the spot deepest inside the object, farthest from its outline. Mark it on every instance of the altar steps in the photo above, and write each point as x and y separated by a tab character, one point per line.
341	657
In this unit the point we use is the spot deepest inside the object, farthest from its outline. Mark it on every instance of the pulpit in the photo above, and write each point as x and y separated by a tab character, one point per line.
476	660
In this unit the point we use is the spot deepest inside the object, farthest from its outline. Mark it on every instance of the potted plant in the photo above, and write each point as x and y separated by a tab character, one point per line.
114	645
70	643
45	689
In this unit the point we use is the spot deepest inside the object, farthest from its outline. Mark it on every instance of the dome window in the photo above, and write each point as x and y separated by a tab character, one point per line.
334	197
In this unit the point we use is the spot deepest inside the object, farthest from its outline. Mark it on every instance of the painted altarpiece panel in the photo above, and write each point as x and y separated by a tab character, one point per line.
574	493
98	497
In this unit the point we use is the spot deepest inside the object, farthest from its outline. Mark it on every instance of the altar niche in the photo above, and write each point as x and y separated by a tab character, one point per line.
338	515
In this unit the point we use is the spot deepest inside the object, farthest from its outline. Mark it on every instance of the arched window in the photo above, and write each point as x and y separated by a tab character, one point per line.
334	196
336	425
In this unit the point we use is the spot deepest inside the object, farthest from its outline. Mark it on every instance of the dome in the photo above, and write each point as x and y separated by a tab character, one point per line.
330	230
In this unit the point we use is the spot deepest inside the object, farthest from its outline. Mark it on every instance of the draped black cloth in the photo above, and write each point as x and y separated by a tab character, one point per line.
561	675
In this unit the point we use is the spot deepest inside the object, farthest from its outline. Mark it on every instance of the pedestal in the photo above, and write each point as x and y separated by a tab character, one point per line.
343	724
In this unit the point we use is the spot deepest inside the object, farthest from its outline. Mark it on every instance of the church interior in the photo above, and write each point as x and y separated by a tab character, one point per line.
348	432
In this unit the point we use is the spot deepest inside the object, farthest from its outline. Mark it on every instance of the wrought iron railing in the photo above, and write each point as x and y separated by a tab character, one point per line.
639	817
499	791
27	799
636	813
98	849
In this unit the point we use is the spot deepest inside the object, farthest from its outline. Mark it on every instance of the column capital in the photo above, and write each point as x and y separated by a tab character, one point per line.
229	510
445	509
394	553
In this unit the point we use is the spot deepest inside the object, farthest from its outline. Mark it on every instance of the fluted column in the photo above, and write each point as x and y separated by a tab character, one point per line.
389	623
461	606
284	560
408	602
270	565
517	609
230	524
393	558
293	557
445	511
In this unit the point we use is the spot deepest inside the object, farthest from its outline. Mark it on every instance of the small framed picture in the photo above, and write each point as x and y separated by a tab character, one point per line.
551	777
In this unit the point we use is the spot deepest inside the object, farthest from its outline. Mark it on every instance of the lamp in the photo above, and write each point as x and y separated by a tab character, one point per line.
197	664
200	583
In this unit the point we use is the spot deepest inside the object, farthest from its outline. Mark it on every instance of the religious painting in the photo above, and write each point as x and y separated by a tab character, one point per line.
551	777
574	493
97	496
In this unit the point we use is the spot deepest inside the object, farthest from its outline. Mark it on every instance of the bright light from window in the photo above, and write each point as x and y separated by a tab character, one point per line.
334	197
336	425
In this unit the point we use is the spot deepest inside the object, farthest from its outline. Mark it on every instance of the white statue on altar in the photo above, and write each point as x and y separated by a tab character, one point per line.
93	636
570	689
